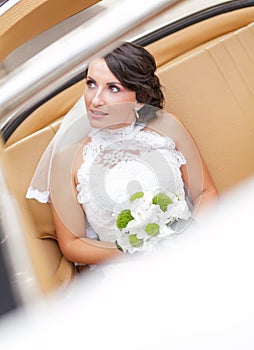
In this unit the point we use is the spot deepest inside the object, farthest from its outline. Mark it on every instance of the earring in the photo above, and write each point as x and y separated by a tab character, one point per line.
136	112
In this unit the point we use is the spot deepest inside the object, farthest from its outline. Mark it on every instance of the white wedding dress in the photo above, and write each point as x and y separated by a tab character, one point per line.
119	162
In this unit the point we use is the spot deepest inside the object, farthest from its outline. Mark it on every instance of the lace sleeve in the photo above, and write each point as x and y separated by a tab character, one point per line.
163	143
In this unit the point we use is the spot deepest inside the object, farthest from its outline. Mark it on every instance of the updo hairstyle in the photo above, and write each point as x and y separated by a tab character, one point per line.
135	68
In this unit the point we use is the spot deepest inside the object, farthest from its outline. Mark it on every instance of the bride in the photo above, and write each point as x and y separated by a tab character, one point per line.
121	174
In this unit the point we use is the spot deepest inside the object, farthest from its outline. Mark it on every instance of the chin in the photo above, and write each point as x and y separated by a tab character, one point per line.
97	123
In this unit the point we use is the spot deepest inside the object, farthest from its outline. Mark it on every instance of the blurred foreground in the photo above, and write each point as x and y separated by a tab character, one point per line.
197	293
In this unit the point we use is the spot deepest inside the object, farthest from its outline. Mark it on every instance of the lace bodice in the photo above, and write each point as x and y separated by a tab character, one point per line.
117	163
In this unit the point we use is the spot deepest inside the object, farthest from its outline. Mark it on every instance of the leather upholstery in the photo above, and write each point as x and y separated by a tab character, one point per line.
212	90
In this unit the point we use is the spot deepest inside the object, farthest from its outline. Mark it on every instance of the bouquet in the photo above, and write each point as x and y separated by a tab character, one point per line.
147	219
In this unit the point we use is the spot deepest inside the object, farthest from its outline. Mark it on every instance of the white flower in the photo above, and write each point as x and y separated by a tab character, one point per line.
165	231
142	208
179	210
123	242
151	222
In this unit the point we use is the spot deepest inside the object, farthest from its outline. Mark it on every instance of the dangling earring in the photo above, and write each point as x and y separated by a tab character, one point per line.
136	112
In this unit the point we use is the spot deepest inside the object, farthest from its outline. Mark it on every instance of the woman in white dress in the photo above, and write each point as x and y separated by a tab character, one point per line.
133	148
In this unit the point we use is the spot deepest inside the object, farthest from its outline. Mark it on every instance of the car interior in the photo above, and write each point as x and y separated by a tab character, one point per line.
207	71
23	21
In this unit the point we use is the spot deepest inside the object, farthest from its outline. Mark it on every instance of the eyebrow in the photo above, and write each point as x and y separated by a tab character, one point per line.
88	77
114	83
109	83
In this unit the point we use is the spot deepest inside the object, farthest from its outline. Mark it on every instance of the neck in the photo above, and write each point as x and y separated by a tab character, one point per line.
121	125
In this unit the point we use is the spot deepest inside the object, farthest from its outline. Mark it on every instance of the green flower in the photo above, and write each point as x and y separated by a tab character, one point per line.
136	195
162	200
152	229
135	241
123	218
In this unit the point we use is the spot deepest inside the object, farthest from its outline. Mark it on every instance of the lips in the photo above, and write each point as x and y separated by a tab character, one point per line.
97	114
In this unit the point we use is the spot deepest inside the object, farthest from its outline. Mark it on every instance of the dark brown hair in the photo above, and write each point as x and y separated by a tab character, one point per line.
135	68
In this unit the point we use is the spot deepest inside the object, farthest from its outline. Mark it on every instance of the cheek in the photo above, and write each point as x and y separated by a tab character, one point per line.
87	97
122	96
130	96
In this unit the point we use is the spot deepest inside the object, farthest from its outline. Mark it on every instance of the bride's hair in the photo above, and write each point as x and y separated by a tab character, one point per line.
135	68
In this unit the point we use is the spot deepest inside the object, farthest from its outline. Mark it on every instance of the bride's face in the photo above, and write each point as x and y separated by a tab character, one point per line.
108	103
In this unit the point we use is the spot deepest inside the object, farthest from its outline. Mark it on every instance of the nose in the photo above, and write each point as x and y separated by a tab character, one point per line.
97	99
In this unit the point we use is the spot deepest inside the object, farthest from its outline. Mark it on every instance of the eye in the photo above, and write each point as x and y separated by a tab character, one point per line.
114	88
90	83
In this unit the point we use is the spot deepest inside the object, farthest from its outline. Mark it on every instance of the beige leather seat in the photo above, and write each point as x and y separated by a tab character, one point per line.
21	155
209	84
208	74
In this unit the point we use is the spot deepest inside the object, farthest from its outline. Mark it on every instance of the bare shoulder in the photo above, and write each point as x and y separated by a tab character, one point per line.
69	157
168	124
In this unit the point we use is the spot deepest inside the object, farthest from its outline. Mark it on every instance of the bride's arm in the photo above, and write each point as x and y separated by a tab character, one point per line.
201	196
82	250
68	215
195	173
